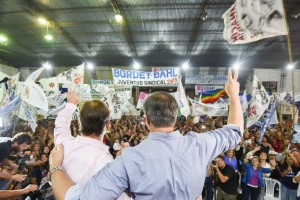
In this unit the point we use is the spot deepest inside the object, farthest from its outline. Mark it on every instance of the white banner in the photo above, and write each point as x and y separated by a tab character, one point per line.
141	78
49	84
9	89
86	92
29	116
33	93
182	101
34	75
216	109
72	76
259	102
143	96
249	21
204	88
35	96
56	99
205	79
116	113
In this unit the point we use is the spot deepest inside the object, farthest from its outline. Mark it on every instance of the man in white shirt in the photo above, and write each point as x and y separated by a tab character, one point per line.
85	155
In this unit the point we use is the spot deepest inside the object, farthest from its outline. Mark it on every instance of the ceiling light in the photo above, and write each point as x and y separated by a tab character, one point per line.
48	37
136	65
47	65
3	39
43	21
89	65
236	66
185	65
119	18
290	66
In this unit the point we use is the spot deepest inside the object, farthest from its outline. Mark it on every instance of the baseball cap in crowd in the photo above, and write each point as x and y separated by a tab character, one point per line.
272	153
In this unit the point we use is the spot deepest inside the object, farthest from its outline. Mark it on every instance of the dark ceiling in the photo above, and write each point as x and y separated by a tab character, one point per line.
154	32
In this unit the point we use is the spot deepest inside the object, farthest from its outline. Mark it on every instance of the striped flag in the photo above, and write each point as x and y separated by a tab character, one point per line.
267	120
212	96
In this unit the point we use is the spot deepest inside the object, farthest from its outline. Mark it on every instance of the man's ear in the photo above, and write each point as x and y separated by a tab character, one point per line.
147	120
108	124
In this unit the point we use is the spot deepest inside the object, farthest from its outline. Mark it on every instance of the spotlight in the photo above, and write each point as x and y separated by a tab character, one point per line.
136	65
3	39
290	66
119	18
47	65
185	65
43	21
236	66
90	65
48	37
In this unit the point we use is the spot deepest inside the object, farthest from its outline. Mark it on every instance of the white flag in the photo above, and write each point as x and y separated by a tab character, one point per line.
216	109
49	84
244	102
116	113
72	76
260	101
182	101
33	93
252	20
29	116
9	88
35	96
34	75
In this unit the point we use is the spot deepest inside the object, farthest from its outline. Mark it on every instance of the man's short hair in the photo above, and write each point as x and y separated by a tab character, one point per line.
221	157
93	116
22	138
161	109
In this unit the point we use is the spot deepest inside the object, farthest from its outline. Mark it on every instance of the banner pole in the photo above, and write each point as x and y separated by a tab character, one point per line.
291	61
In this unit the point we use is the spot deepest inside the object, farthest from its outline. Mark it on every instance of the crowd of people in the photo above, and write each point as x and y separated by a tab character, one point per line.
238	171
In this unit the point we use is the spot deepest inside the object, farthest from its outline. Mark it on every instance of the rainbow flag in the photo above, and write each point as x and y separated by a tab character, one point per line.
212	96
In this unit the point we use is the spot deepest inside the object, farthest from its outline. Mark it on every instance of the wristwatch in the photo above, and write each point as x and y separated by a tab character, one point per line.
54	169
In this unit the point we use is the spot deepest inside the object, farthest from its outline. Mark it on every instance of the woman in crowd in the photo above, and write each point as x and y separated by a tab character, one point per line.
253	179
45	150
40	169
36	150
265	145
231	160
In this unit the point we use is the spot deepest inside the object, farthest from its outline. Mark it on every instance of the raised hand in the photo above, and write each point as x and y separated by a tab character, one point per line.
232	87
73	96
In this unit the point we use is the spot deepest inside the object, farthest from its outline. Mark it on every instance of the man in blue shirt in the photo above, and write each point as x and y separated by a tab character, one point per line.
166	165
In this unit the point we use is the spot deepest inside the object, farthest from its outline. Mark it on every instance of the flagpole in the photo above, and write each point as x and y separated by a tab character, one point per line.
291	60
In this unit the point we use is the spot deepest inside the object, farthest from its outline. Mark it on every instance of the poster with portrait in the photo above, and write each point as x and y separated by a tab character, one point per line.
249	21
259	102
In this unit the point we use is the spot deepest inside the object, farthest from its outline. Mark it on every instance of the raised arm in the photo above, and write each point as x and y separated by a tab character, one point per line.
222	139
232	88
63	120
108	183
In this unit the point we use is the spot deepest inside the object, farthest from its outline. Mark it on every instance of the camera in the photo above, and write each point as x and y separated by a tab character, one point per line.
213	162
36	195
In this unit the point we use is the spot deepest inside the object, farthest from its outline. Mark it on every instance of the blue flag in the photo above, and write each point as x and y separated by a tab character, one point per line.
267	120
8	112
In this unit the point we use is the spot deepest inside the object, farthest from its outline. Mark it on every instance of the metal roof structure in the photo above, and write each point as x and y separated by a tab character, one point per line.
153	32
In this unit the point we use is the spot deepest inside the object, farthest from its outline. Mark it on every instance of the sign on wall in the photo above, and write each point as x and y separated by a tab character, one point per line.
203	88
141	78
205	79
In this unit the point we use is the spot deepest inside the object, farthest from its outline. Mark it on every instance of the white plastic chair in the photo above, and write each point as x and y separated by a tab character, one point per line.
270	189
239	189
